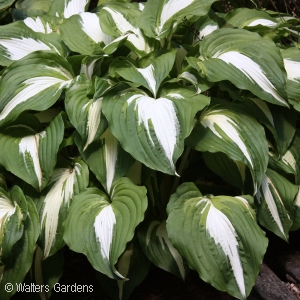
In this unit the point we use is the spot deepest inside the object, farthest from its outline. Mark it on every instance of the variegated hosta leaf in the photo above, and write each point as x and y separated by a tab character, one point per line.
280	121
281	17
153	130
39	24
5	4
155	68
192	76
285	125
233	172
246	17
18	40
218	236
206	27
284	167
249	203
33	83
13	211
118	19
263	113
82	33
275	198
48	115
291	59
3	181
101	227
64	185
181	53
292	156
249	61
105	85
20	255
160	17
156	245
91	66
139	5
289	163
30	8
135	173
134	265
231	130
85	112
30	155
68	8
106	159
290	23
203	27
296	215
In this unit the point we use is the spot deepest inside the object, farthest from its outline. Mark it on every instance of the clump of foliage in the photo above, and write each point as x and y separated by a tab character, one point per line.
159	133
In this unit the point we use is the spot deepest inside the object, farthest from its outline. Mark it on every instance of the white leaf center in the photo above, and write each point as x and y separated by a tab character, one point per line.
6	210
136	38
289	159
30	145
171	8
229	128
94	118
161	114
162	234
34	86
37	25
61	191
74	7
104	227
208	29
111	156
252	70
148	74
292	69
267	194
91	26
17	48
263	22
221	230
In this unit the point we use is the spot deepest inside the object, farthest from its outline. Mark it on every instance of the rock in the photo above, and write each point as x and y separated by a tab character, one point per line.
269	287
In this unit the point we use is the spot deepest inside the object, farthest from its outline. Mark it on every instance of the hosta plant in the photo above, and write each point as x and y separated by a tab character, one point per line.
156	133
